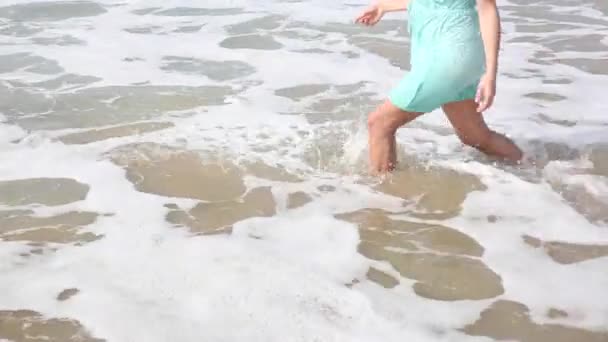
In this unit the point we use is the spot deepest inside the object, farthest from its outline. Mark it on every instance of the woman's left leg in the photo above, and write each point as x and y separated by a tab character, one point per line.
473	131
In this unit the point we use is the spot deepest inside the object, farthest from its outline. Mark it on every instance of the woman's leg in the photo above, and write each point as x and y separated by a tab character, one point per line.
473	131
382	125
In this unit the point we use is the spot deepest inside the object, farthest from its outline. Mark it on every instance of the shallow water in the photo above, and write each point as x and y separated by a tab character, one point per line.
179	171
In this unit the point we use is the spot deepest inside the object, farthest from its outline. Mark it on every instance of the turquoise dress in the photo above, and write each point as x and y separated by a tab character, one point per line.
447	55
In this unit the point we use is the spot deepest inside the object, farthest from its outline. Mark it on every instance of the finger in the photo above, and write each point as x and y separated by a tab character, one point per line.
363	16
367	13
479	98
483	105
481	102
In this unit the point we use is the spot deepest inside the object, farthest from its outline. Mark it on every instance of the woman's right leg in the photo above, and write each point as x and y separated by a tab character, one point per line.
382	125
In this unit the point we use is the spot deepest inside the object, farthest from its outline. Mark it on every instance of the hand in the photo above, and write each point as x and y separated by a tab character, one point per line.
486	91
371	16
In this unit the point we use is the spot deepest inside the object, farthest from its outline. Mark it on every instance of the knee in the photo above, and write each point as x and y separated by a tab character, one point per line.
378	123
374	120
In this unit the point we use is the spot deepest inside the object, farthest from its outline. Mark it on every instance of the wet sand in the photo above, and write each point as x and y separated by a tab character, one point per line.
193	155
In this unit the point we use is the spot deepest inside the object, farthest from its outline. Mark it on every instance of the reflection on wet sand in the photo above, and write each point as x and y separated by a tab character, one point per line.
568	253
56	100
44	191
260	169
102	106
436	192
67	294
219	216
31	326
23	225
172	172
298	199
508	320
443	261
100	134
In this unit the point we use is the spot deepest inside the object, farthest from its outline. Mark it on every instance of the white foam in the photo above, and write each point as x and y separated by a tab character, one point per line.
529	275
283	278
